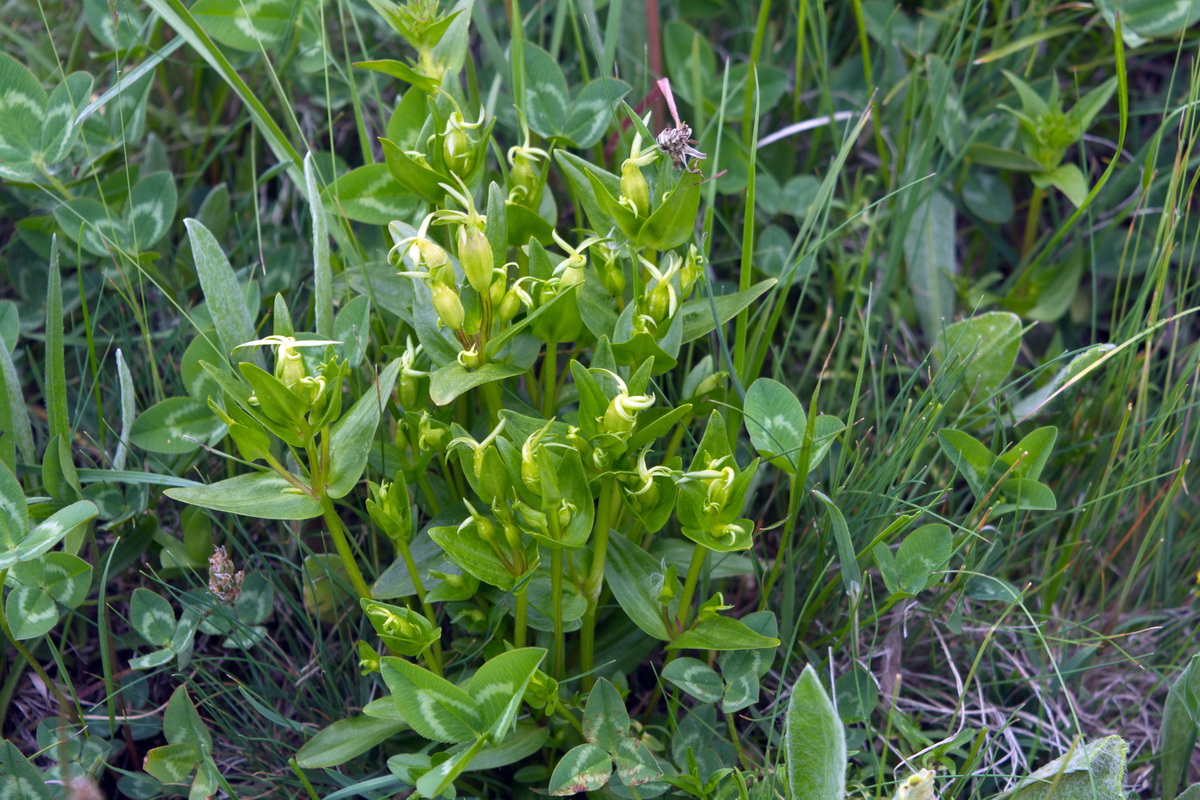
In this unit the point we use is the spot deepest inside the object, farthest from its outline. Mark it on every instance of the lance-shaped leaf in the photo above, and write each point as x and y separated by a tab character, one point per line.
814	743
350	438
265	495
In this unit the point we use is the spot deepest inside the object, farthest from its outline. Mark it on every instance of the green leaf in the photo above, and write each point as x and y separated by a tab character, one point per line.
635	763
22	113
475	556
776	422
265	495
1180	725
152	616
182	723
340	741
432	706
45	535
352	327
171	763
721	633
371	195
973	460
1068	179
1027	457
814	743
923	552
929	253
451	380
1091	771
351	436
176	425
56	375
696	678
674	222
499	685
584	768
222	294
19	780
1073	372
14	415
742	669
59	131
322	270
31	612
851	574
701	315
592	111
151	210
1142	20
417	178
625	572
248	25
526	740
981	351
605	720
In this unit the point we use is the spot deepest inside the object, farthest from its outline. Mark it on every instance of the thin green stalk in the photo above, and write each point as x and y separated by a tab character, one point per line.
560	638
595	578
415	574
550	379
340	540
699	554
522	614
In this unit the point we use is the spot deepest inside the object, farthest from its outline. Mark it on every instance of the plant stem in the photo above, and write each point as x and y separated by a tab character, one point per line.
689	585
595	578
1032	219
560	638
794	499
426	607
519	630
338	531
550	379
63	704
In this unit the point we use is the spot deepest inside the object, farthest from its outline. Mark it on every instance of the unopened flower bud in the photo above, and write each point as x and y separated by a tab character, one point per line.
635	188
448	305
658	305
475	255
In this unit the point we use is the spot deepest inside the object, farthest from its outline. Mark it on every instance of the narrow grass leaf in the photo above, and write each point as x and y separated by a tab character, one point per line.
56	375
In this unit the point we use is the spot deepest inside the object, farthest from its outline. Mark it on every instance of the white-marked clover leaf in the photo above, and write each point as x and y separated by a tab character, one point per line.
247	25
635	763
152	617
696	678
176	425
44	536
605	720
432	706
581	769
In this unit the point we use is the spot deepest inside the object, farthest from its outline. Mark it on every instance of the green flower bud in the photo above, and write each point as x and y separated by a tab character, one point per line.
389	508
635	188
509	306
368	659
448	305
523	180
658	305
404	631
410	388
475	255
613	278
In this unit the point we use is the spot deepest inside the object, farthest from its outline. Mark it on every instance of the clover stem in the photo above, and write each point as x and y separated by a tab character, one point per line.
560	638
63	703
689	585
595	577
340	540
